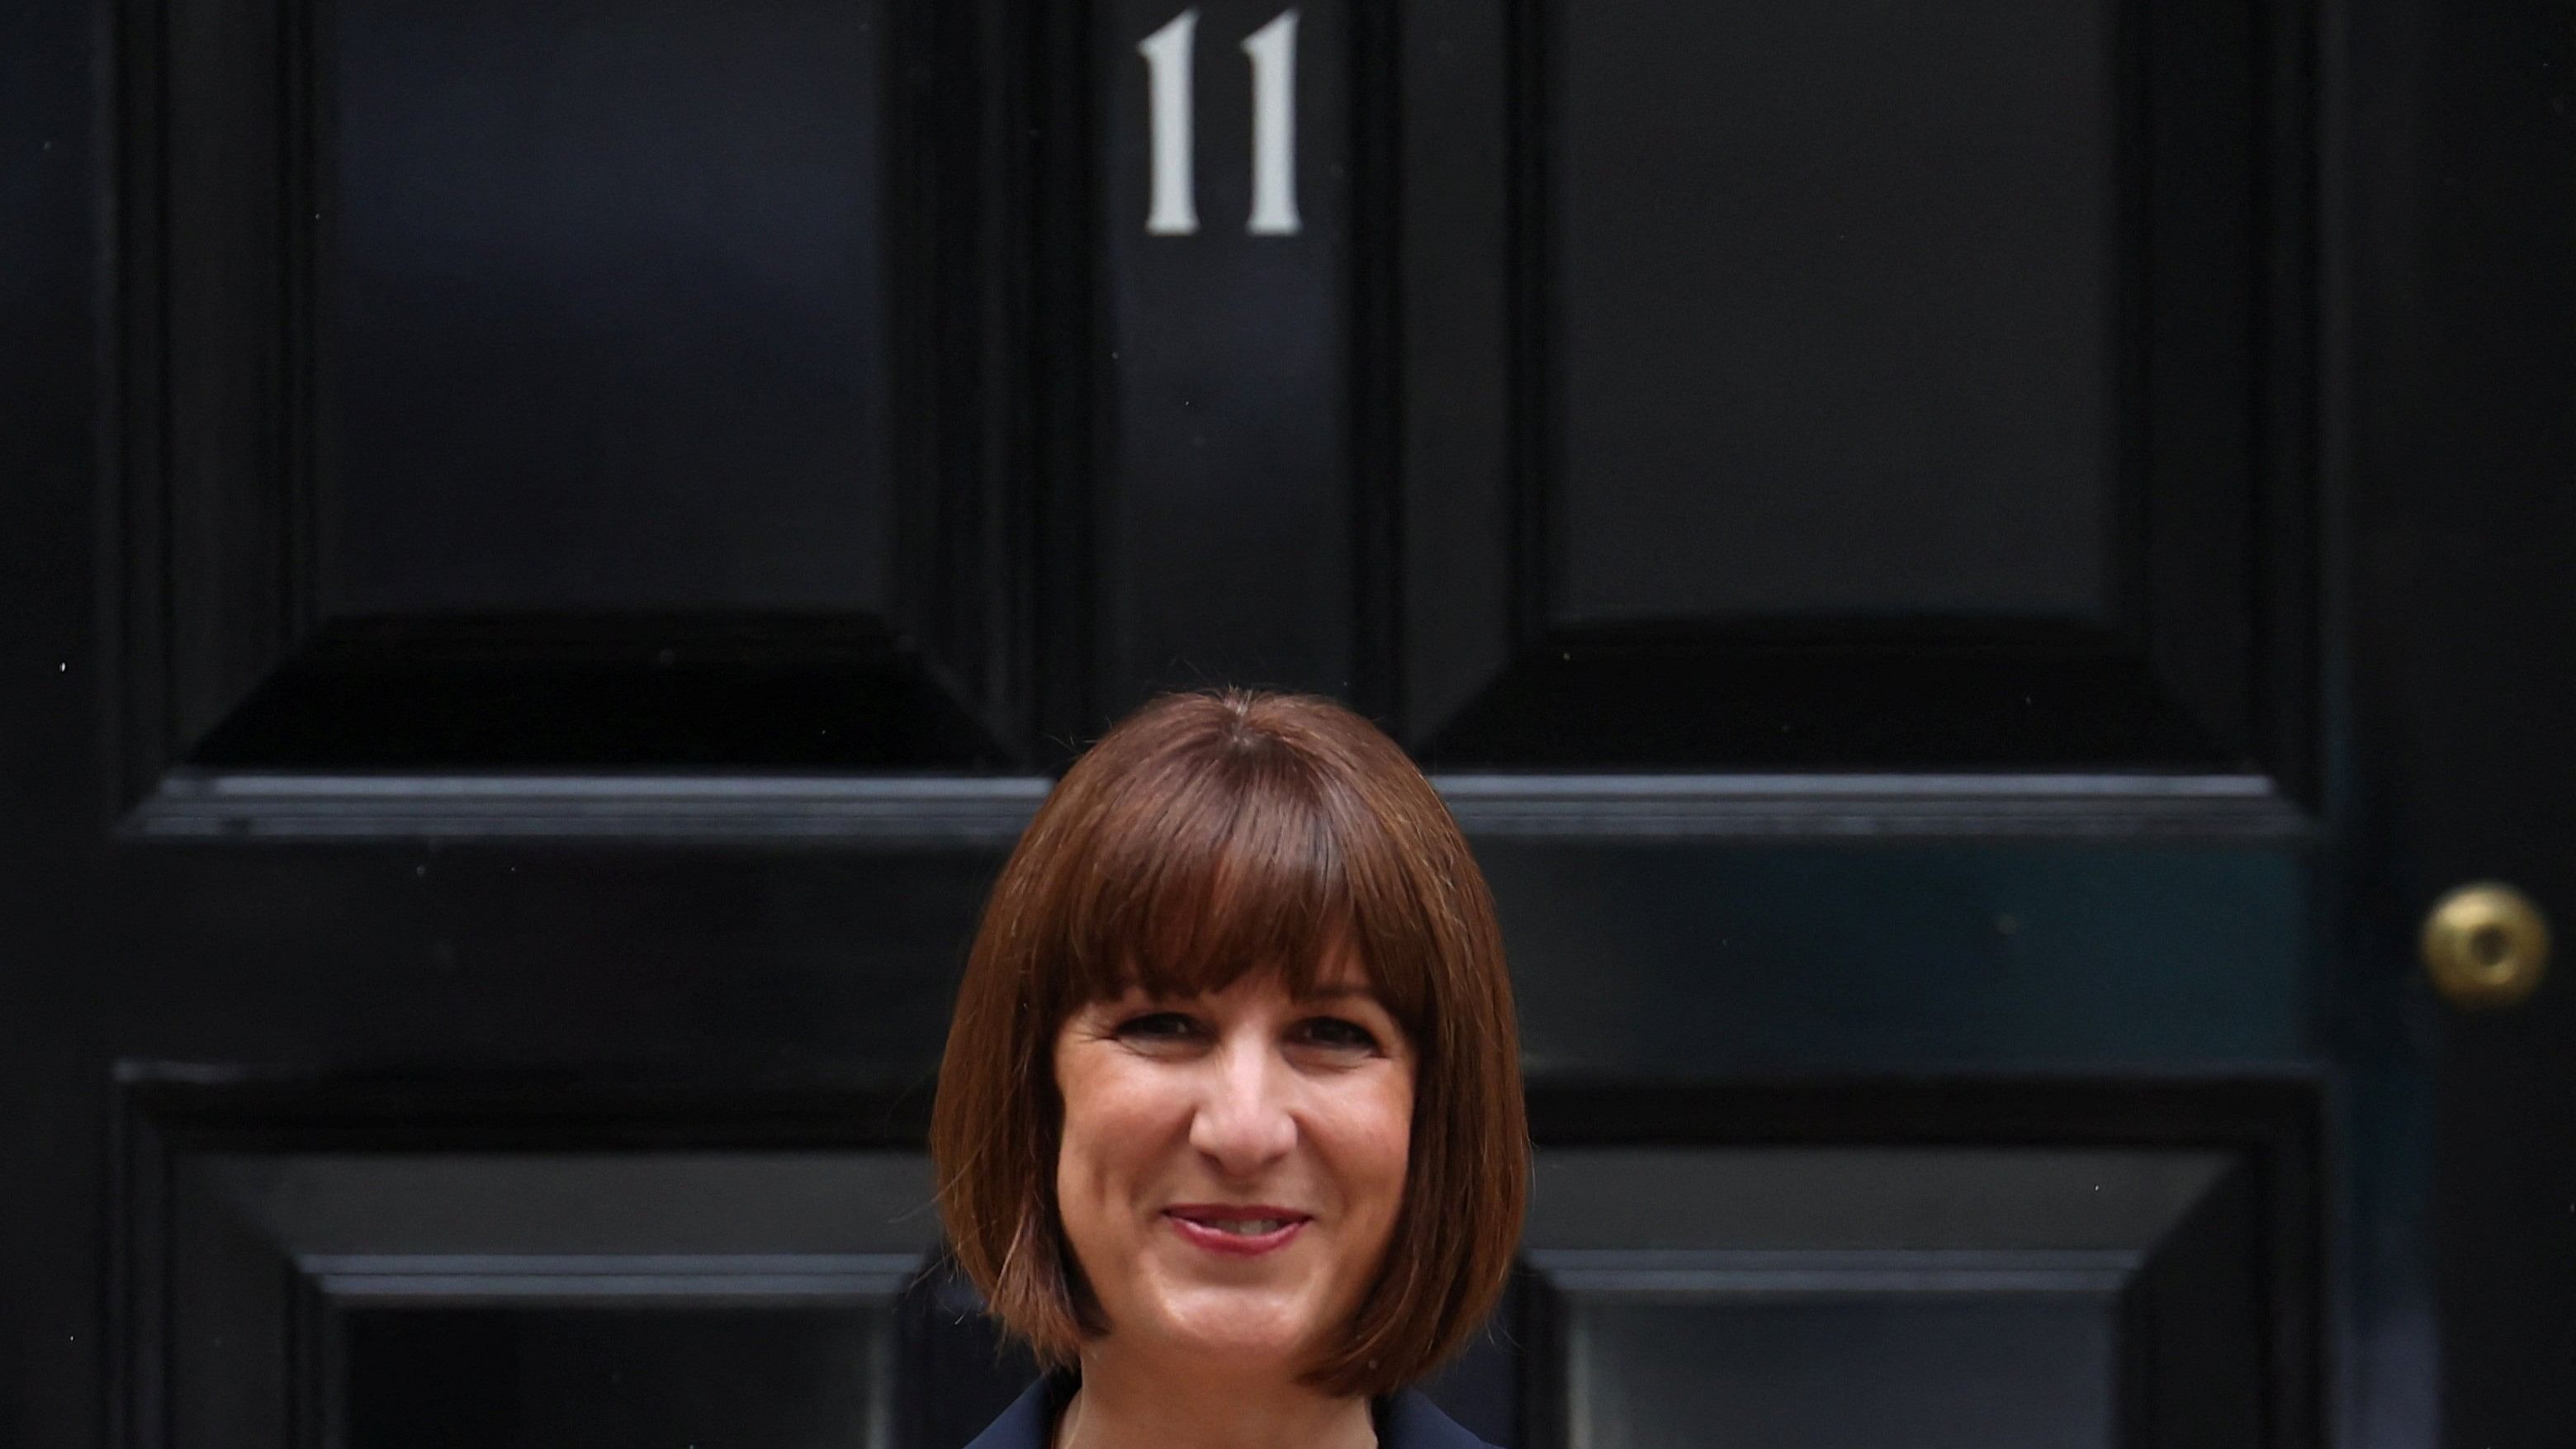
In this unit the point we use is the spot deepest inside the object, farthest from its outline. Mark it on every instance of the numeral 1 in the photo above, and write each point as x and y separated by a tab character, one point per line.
1273	49
1167	58
1168	54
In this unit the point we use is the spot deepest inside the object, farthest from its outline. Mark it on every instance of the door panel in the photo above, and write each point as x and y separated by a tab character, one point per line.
549	389
1947	1296
1836	333
586	261
609	1376
1682	962
1959	1372
362	1297
1790	402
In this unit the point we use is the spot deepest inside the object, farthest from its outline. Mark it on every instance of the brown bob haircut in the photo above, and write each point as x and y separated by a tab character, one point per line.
1210	835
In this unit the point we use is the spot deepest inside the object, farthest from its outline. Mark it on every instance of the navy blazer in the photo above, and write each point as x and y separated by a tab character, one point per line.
1405	1420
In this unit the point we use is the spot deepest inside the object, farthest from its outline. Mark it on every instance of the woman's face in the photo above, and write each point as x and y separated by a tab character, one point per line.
1231	1166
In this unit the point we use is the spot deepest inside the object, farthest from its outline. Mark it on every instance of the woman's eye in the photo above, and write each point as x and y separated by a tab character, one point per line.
1158	1026
1332	1031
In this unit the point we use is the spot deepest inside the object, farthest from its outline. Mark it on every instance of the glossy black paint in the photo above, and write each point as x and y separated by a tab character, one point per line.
2319	331
2114	443
2458	370
1224	526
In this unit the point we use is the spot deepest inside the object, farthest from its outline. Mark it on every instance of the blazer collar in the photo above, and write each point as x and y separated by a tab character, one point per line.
1405	1420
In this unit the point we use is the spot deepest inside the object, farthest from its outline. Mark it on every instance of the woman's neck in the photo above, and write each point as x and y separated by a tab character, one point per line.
1124	1403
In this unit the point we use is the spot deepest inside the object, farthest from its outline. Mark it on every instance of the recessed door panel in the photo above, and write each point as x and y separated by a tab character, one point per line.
555	388
1837	310
607	309
1849	1374
592	1378
1842	388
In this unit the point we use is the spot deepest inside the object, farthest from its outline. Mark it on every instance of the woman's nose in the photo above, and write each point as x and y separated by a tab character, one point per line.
1243	1120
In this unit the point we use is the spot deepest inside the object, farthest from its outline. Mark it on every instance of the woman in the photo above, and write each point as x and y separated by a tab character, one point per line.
1229	1129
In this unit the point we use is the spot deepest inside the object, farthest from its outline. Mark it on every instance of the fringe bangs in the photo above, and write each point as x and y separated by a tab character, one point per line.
1198	881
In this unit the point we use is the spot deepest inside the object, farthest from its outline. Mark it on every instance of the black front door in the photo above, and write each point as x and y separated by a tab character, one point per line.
1978	578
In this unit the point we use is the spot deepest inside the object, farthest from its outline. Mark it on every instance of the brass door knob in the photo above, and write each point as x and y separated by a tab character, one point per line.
2486	945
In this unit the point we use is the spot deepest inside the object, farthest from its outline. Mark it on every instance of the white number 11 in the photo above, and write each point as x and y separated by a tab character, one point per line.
1273	49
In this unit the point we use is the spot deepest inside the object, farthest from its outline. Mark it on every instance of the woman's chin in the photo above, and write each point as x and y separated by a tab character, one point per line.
1236	1323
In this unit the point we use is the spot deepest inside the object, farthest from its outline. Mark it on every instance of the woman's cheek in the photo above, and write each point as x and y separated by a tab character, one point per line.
1390	1144
1125	1114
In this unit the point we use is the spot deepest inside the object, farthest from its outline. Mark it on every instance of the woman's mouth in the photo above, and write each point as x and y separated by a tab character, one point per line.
1237	1232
